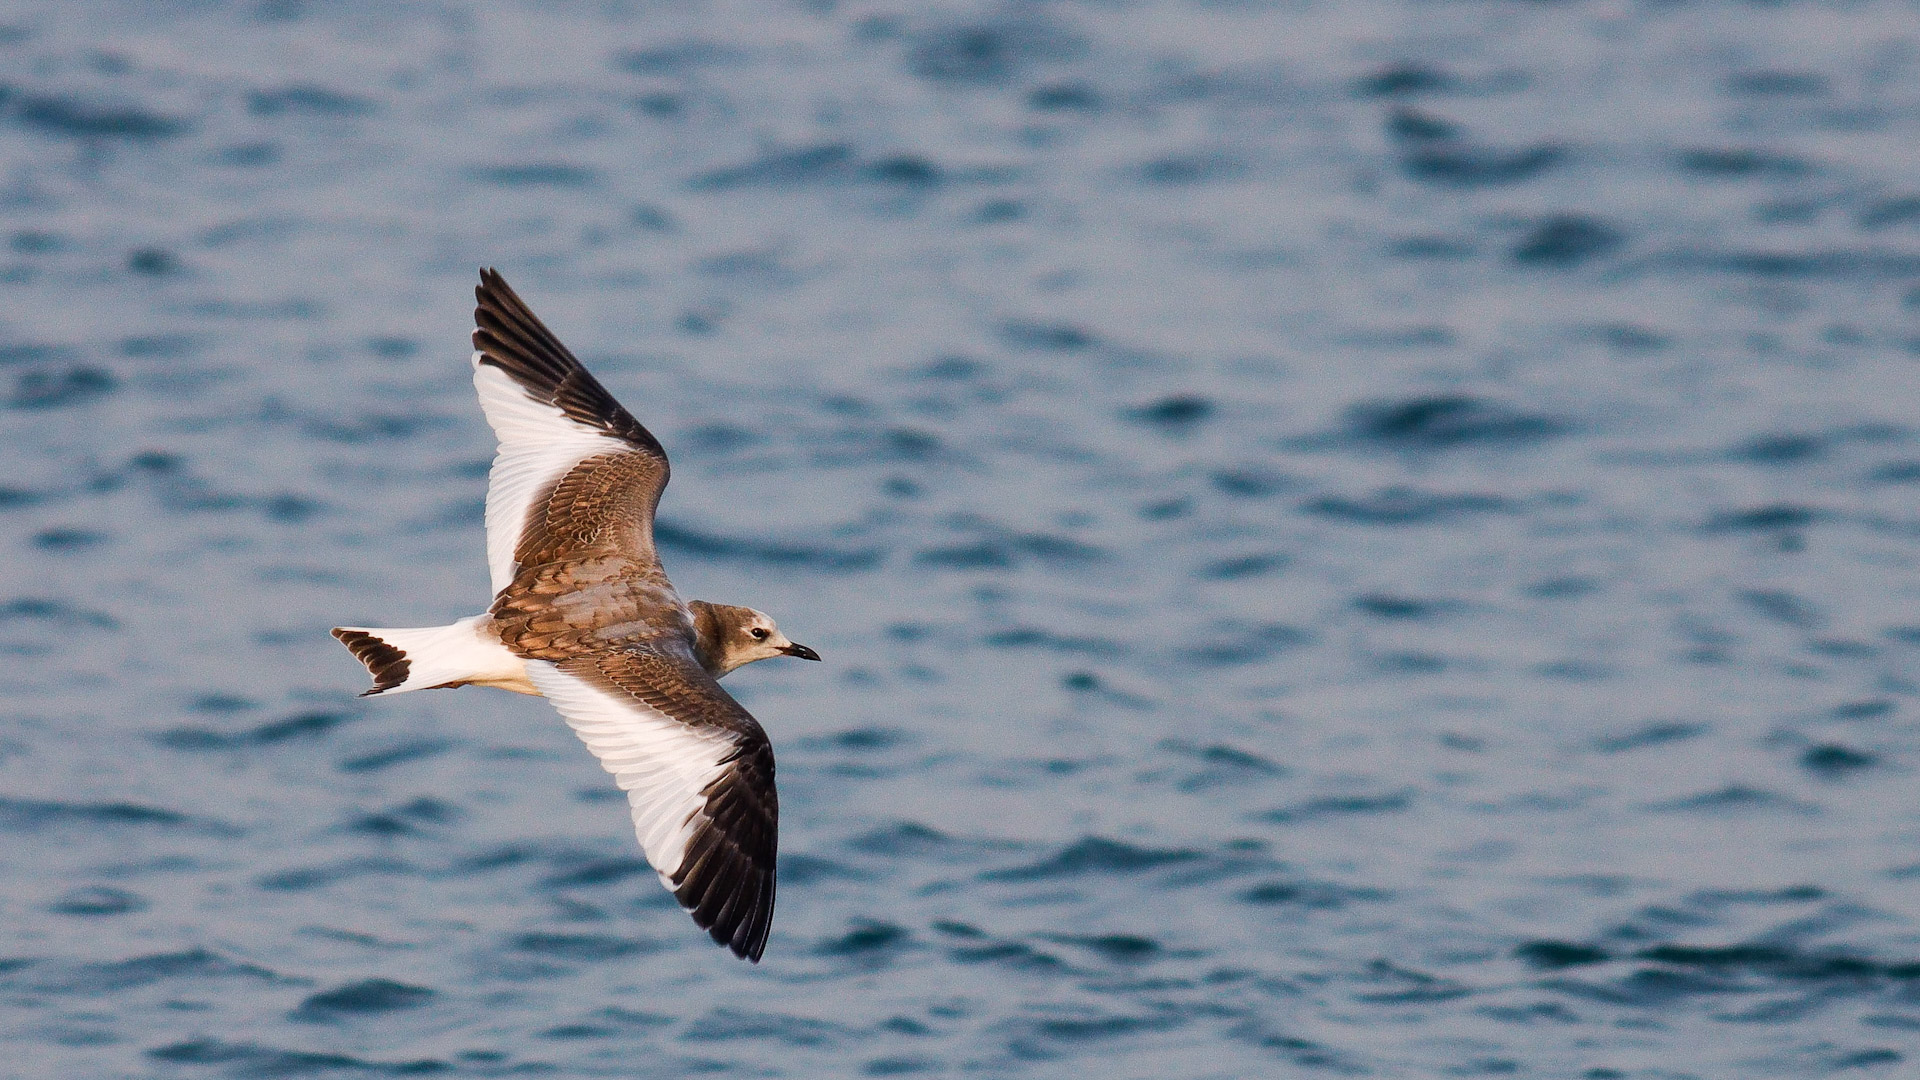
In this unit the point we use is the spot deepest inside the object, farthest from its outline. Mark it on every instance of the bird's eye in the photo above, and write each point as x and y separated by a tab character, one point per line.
759	633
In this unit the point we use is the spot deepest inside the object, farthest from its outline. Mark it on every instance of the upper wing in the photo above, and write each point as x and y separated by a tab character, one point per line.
698	773
555	423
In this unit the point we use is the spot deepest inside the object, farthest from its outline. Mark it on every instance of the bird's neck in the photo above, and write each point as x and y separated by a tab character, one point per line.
709	638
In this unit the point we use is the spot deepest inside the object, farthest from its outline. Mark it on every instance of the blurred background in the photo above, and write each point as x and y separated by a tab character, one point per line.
1348	539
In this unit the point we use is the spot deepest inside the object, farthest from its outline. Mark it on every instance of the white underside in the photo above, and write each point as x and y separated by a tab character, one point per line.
662	764
465	652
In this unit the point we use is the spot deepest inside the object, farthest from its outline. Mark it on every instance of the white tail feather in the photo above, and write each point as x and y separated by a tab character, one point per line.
428	657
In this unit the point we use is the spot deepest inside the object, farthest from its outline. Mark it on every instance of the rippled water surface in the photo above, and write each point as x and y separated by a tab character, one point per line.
1349	539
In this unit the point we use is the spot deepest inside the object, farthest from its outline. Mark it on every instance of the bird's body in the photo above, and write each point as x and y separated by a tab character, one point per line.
584	615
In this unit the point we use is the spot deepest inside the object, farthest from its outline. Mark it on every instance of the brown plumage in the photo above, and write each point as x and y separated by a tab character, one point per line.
386	664
584	614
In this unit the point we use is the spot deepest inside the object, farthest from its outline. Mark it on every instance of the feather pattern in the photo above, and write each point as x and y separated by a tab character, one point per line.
550	414
581	598
698	773
583	614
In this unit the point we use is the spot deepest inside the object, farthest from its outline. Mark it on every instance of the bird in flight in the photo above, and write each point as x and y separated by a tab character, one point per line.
584	615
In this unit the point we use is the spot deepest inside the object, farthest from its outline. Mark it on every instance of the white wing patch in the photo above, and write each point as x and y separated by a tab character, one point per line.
663	764
538	445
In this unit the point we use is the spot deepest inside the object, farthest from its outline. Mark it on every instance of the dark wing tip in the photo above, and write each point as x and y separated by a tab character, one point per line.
726	879
509	336
734	905
496	294
387	664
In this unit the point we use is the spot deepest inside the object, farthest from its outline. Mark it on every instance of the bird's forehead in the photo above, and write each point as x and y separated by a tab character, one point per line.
747	617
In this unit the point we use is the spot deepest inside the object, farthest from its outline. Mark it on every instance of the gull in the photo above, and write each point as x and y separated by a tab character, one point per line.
583	614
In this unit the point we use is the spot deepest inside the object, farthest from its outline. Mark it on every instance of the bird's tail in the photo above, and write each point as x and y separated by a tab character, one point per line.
434	657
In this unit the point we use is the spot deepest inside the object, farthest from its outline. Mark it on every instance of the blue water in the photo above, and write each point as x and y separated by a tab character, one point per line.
1356	539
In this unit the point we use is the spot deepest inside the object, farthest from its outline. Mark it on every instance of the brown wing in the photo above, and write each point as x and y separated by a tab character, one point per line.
575	472
699	776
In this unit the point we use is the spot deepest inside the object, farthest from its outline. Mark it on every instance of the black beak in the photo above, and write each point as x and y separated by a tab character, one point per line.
801	651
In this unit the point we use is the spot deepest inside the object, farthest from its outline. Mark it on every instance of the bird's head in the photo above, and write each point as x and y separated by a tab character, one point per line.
727	637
